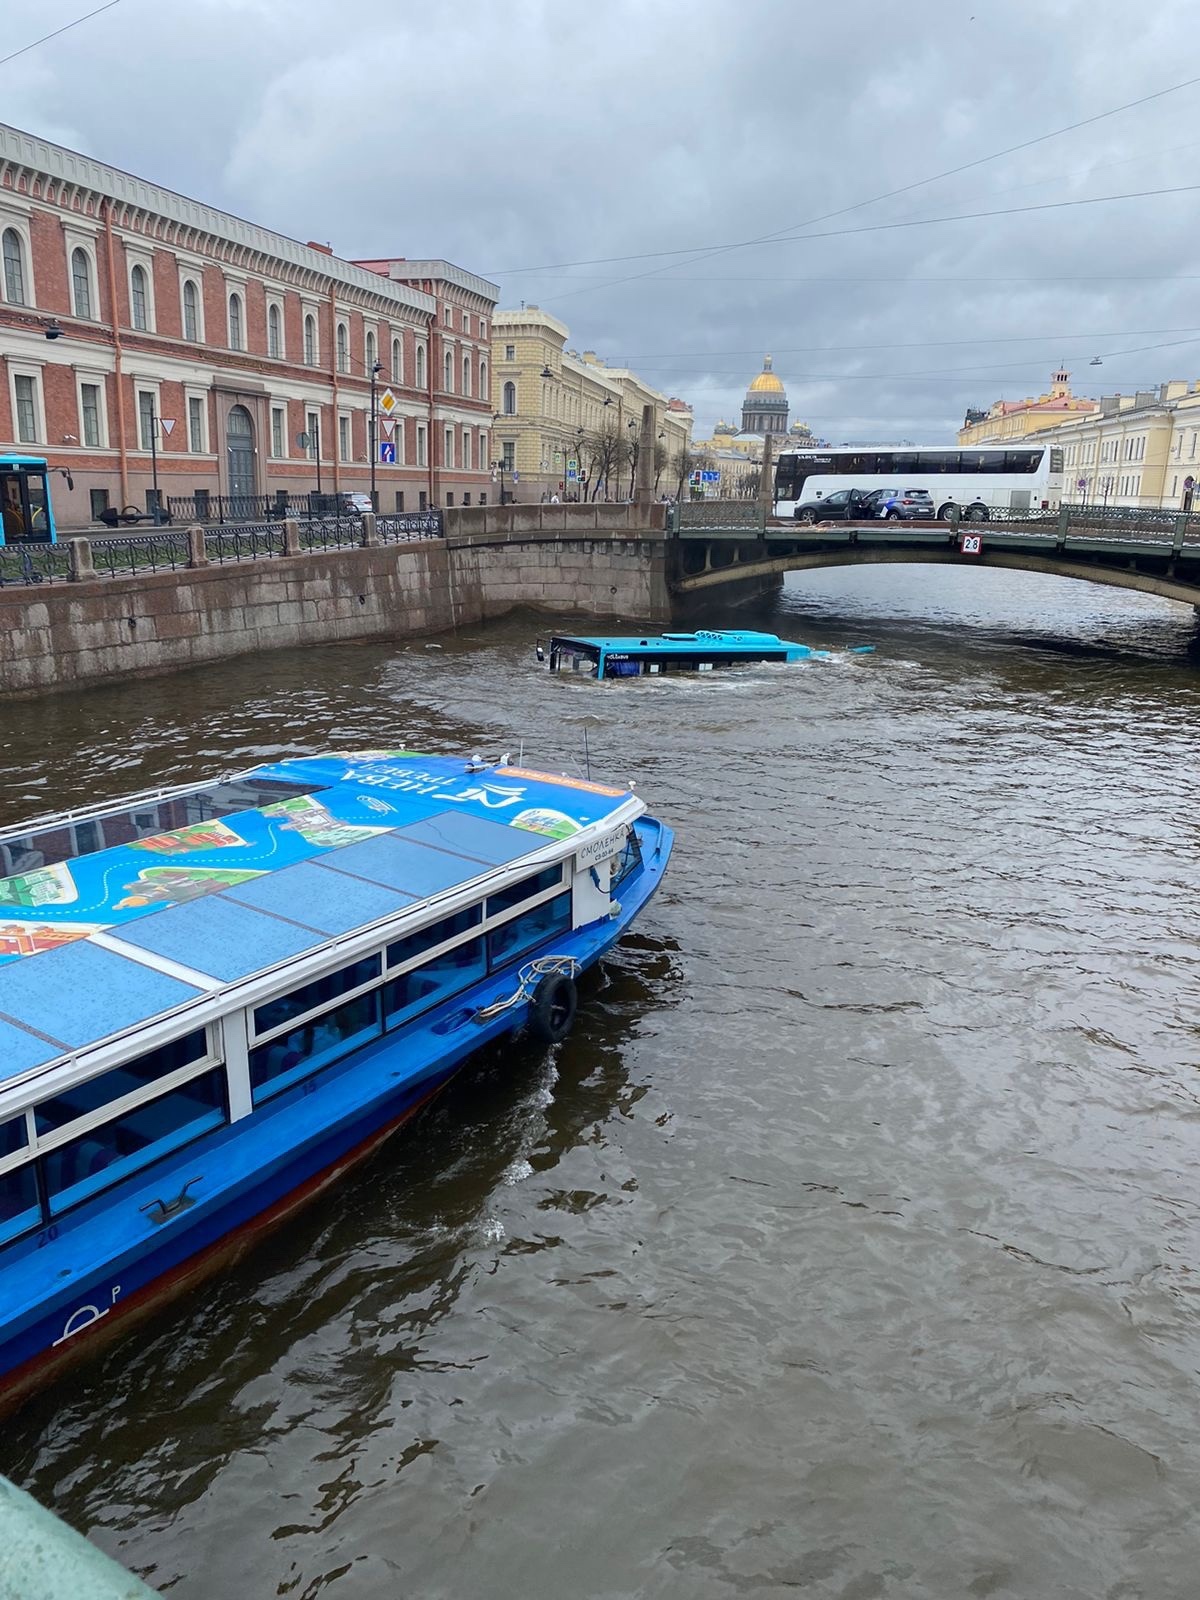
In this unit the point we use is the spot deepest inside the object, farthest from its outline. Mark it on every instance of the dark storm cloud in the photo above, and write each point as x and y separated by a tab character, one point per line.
528	134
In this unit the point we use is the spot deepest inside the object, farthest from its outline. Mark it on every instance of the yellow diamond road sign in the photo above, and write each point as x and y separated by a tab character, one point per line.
388	402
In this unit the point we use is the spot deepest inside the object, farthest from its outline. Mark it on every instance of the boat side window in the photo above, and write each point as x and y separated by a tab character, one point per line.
436	933
20	1209
85	1098
314	996
628	861
517	893
445	974
156	1128
514	938
311	1045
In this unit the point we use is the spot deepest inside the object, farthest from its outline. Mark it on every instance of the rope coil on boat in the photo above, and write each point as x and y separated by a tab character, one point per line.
528	978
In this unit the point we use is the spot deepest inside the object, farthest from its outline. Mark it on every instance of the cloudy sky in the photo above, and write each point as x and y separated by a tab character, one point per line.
609	162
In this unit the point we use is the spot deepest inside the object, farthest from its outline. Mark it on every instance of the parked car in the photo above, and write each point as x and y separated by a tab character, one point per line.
840	506
901	505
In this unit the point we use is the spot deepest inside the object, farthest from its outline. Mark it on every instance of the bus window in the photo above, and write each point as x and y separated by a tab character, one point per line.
24	506
1022	460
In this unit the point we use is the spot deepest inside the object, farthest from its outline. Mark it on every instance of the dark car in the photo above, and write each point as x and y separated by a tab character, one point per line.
901	505
841	506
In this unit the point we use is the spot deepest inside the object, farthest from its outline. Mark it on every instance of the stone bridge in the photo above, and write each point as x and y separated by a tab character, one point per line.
718	545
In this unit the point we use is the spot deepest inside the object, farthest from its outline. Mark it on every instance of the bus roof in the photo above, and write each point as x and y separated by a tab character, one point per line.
22	461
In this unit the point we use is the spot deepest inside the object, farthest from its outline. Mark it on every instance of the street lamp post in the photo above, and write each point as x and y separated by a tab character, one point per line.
376	369
154	462
500	466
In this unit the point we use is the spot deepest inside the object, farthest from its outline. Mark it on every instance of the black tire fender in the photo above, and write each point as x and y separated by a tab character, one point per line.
552	1012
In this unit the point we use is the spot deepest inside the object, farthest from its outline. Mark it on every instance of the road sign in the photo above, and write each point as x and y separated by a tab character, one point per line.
1081	483
1189	482
516	477
572	474
387	452
710	477
971	544
302	441
388	402
389	425
167	423
572	464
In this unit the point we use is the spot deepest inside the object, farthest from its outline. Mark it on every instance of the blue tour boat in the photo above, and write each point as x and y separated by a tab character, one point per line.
702	651
214	999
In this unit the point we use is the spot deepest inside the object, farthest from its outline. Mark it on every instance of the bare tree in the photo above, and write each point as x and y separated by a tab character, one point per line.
604	450
661	461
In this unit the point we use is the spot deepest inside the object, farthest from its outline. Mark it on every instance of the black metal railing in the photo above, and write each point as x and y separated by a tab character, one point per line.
143	552
34	563
235	508
246	542
400	527
330	533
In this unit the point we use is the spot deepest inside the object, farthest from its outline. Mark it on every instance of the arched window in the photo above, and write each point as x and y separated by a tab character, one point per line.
343	348
310	341
483	388
509	406
138	298
14	268
397	365
81	283
236	335
420	366
448	373
274	332
466	384
372	352
191	312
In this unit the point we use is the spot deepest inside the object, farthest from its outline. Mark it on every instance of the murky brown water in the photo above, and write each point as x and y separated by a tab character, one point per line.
850	1246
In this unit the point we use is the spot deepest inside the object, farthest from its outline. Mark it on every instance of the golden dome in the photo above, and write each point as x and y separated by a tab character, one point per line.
766	382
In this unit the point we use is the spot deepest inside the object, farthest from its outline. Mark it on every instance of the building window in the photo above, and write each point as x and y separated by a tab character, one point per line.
25	394
372	355
98	499
448	373
278	432
466	449
196	425
14	268
344	438
397	363
237	336
81	283
483	450
483	388
274	331
422	449
89	413
467	498
191	312
138	298
447	316
450	498
510	454
343	348
146	418
466	322
422	500
509	406
466	383
310	340
482	328
448	447
421	367
510	352
312	430
399	499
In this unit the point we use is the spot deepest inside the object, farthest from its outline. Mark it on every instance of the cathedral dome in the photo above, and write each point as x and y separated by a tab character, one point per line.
765	408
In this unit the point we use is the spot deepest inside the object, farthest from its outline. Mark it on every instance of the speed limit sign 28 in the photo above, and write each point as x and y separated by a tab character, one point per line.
971	544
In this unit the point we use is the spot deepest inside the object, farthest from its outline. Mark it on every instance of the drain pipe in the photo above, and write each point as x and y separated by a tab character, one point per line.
122	452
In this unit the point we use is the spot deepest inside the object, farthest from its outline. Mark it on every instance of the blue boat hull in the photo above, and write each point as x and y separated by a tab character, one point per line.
115	1265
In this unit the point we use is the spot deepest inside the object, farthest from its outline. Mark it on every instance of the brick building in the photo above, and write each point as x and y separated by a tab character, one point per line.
221	343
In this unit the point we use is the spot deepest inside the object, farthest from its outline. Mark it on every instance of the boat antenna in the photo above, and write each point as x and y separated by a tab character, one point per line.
587	754
521	753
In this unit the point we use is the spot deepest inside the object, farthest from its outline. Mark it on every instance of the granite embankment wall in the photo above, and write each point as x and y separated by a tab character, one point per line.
605	562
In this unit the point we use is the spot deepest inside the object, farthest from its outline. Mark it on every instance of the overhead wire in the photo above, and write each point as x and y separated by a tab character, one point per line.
58	32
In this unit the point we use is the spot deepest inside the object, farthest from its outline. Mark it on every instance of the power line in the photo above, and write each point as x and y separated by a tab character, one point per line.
912	344
966	166
839	233
58	32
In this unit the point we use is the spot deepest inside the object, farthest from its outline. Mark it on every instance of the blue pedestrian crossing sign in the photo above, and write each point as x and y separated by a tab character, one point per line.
387	452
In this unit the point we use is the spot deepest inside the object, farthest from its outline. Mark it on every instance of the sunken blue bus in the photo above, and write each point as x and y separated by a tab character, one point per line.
26	515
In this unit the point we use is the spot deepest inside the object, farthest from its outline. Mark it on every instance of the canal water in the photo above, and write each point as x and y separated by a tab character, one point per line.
849	1247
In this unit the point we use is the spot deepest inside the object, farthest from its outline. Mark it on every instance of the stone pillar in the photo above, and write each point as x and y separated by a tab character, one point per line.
291	537
766	482
643	496
370	534
197	554
80	555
